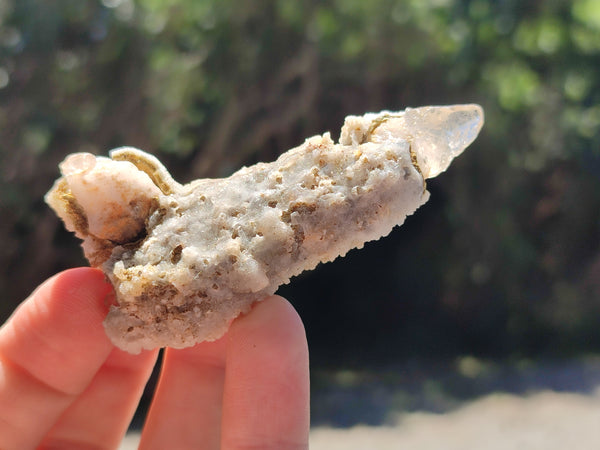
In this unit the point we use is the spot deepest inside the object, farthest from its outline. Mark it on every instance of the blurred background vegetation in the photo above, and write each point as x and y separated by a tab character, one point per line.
504	261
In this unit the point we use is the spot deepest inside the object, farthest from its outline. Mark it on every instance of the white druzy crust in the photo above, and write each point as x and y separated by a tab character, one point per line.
185	260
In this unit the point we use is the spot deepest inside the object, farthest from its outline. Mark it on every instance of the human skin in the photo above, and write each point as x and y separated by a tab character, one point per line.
64	385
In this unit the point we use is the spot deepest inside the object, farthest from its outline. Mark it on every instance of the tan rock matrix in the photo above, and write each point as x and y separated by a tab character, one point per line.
185	260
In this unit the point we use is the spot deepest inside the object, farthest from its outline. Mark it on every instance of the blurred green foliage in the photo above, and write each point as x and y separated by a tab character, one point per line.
505	258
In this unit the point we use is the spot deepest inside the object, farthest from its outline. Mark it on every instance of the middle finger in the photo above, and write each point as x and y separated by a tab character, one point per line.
187	405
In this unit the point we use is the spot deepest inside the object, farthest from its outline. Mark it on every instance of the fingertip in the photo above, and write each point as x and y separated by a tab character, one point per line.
57	333
272	332
273	311
80	288
79	275
267	365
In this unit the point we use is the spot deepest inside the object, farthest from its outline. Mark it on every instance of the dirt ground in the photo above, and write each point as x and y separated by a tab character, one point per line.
545	420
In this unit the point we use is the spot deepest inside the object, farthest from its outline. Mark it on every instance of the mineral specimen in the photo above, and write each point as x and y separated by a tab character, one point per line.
185	260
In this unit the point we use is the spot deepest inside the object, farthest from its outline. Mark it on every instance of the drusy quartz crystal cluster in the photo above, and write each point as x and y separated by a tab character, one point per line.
185	260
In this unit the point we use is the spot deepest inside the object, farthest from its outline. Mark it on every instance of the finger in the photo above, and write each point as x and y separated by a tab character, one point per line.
266	393
100	416
186	409
50	350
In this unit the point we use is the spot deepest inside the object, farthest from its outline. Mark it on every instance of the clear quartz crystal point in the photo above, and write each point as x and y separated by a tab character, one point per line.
440	133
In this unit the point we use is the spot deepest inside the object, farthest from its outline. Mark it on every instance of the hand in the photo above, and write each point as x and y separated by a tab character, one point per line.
64	385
